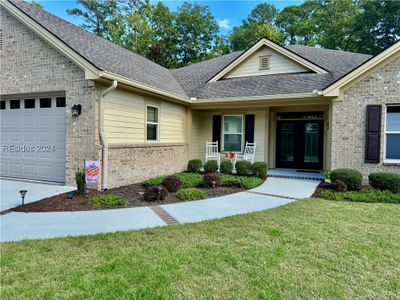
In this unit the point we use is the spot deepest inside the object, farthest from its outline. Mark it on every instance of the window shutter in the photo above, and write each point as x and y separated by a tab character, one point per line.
249	129
373	134
216	131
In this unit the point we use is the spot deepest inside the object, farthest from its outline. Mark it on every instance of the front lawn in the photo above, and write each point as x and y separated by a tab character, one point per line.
310	249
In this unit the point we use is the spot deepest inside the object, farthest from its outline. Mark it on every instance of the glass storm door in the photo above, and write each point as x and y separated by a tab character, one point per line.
299	144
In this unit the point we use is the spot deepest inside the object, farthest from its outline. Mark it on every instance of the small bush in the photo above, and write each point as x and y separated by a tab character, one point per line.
211	166
340	186
190	180
172	183
251	182
259	169
209	178
194	166
190	194
80	181
241	181
366	195
243	167
385	181
154	193
105	201
230	180
153	181
226	167
352	178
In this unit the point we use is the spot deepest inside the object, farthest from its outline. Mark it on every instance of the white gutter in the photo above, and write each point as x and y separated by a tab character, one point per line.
103	139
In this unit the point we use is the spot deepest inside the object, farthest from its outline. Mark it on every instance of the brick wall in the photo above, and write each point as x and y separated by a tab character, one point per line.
349	119
133	163
31	65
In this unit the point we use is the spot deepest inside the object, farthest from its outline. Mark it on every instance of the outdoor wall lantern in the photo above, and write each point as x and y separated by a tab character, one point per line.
76	110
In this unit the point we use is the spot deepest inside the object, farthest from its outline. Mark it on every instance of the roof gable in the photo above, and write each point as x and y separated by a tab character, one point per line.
285	55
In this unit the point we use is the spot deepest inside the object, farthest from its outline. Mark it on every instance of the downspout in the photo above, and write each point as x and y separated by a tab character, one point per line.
103	139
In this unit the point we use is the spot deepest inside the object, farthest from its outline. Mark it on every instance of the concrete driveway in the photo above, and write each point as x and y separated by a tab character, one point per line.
10	196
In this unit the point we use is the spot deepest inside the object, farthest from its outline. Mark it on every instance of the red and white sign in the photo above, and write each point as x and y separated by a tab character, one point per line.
92	171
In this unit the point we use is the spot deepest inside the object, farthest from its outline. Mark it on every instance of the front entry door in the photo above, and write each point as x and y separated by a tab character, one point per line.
299	144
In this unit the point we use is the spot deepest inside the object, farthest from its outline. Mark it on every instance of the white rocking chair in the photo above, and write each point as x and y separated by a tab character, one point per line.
212	152
248	155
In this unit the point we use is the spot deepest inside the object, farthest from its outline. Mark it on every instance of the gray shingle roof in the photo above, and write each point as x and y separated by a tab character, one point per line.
191	81
103	54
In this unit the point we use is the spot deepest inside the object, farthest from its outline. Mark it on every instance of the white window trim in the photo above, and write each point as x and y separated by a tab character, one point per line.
385	160
223	133
157	140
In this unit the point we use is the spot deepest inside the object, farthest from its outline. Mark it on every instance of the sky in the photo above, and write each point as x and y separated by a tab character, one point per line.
228	13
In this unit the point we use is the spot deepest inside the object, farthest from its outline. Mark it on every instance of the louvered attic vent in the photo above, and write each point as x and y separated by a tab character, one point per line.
264	62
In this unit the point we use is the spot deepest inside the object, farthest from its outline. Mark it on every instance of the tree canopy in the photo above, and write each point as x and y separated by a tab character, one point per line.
191	33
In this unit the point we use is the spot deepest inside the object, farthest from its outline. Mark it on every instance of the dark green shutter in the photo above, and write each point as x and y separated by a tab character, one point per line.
216	130
249	129
373	134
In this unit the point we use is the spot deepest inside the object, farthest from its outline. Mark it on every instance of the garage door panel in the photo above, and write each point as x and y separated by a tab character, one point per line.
32	128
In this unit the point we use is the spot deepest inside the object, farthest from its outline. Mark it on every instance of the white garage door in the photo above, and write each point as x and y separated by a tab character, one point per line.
33	138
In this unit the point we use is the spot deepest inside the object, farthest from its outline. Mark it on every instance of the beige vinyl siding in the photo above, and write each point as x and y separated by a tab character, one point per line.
278	64
125	119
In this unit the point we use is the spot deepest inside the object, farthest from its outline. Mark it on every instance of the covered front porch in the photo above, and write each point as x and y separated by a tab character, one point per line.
289	135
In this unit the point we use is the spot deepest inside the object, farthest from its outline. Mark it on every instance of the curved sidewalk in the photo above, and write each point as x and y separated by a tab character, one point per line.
272	193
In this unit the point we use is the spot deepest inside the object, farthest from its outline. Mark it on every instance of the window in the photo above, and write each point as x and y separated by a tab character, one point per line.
2	104
264	62
152	123
233	133
392	133
14	104
45	102
60	102
29	103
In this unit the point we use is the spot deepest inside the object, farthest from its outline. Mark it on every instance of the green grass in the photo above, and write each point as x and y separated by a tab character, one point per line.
310	249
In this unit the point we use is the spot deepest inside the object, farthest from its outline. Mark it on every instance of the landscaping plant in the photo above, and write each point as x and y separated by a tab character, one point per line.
194	166
243	167
153	181
190	180
172	183
366	195
80	181
155	193
105	201
385	181
352	178
259	169
211	166
226	167
247	182
340	186
210	178
190	194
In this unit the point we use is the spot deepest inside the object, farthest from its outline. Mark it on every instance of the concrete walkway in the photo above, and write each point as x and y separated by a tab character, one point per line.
273	193
10	196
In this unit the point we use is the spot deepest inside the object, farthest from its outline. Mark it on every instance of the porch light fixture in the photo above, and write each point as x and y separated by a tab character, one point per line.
23	193
76	110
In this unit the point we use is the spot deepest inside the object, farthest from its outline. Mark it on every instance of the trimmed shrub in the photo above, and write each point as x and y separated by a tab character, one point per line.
211	166
153	181
230	180
190	194
226	167
209	178
251	182
154	193
259	169
241	181
194	166
105	201
190	180
385	181
172	183
80	181
366	195
243	167
340	186
352	178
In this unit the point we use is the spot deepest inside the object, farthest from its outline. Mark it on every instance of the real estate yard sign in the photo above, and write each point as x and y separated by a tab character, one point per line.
92	171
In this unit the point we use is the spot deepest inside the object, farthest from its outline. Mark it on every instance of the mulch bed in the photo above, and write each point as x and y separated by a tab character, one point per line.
324	186
133	194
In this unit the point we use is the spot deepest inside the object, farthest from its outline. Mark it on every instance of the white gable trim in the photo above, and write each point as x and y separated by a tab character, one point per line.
369	65
264	42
